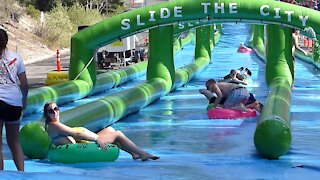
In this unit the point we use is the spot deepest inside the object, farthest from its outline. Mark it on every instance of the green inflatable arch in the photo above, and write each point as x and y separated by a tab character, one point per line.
265	12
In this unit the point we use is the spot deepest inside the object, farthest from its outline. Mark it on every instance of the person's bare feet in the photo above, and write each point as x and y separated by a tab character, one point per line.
248	71
135	156
259	108
148	156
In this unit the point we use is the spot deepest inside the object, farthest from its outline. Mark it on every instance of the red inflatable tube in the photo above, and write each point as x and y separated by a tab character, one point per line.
244	50
221	113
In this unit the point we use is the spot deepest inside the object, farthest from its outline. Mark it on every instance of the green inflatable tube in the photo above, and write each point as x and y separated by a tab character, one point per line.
105	111
272	136
258	40
34	140
82	153
35	144
307	59
179	44
279	55
76	89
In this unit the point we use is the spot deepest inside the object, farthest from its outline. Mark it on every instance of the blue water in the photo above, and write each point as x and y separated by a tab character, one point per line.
191	146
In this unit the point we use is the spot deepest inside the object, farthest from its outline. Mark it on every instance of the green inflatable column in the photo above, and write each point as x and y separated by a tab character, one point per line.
211	32
177	45
80	59
258	40
219	27
160	64
214	30
272	137
202	48
279	53
250	42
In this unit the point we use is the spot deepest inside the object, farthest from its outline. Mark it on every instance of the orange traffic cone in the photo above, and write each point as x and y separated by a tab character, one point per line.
58	61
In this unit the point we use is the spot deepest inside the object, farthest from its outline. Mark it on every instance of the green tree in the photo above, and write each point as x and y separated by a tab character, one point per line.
107	7
78	16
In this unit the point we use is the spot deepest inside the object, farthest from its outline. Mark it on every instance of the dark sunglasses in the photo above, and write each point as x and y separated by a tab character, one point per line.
51	111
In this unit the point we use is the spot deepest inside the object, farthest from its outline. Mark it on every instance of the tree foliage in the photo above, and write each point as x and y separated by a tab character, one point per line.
106	7
9	10
62	17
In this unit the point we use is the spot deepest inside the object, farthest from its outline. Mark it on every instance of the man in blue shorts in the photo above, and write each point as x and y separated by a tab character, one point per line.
237	96
252	103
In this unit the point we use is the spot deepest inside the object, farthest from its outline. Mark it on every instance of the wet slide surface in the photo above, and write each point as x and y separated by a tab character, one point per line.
191	146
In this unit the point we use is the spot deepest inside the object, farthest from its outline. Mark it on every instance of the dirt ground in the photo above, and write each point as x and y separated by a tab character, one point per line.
23	41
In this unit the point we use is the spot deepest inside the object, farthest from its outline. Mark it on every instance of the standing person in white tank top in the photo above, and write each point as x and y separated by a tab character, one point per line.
13	99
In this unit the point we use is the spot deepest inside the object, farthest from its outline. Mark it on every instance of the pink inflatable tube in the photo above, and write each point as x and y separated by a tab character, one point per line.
221	113
244	50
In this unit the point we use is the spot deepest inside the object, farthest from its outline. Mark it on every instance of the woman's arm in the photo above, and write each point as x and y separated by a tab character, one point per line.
87	135
68	131
24	86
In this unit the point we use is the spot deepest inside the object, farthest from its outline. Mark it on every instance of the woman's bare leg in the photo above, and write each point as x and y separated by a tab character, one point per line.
110	135
12	133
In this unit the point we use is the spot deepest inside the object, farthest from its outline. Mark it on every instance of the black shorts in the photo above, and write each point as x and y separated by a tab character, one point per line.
9	113
212	100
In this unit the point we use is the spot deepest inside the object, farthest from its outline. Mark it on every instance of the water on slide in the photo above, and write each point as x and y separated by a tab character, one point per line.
177	129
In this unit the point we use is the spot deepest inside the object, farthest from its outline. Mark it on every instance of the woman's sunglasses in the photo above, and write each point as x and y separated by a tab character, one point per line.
51	111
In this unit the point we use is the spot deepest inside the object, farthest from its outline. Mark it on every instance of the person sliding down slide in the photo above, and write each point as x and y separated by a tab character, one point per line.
244	49
237	78
233	98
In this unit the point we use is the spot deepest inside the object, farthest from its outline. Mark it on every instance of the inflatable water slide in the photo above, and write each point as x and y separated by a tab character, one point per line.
272	136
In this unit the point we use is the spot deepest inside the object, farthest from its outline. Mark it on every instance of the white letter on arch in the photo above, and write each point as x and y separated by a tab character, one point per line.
233	8
181	25
262	10
205	7
304	19
217	7
152	16
289	13
277	10
177	11
125	24
139	23
162	11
